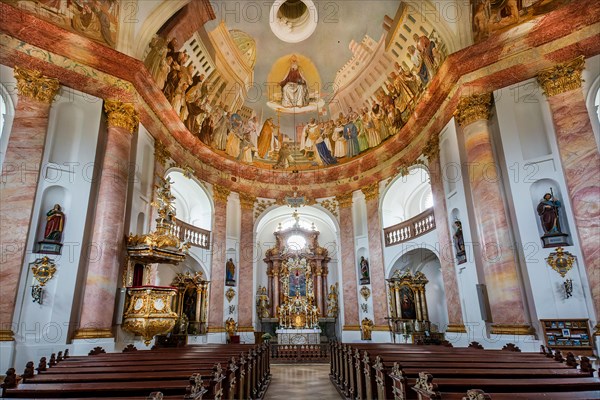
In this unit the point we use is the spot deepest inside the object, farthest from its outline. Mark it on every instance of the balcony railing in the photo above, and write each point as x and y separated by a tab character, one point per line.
410	229
195	236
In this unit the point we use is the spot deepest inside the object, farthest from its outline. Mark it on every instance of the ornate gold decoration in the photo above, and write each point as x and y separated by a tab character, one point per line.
297	311
148	312
407	299
365	292
473	108
344	200
161	154
188	171
7	336
263	305
43	269
261	206
122	115
432	147
563	77
561	261
230	294
92	333
34	85
457	328
230	327
332	301
425	383
366	327
330	205
477	394
510	329
220	193
247	201
371	192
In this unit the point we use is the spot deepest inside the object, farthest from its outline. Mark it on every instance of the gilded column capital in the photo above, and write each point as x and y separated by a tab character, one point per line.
473	108
220	193
371	192
562	78
344	200
122	115
247	201
161	154
432	147
32	84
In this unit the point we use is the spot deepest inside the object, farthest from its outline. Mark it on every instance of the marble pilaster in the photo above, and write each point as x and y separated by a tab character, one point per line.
500	268
377	267
20	172
106	248
455	319
580	161
346	250
218	246
246	276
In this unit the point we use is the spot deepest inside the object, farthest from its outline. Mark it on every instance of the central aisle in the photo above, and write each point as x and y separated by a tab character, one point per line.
300	381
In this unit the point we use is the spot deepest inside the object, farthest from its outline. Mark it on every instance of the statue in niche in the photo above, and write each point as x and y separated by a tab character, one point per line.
459	243
366	329
548	211
364	271
55	221
230	273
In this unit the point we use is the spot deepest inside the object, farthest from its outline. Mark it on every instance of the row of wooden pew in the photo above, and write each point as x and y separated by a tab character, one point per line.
213	371
403	372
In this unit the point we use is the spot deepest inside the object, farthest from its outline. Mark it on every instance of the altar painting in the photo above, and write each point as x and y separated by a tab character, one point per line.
297	283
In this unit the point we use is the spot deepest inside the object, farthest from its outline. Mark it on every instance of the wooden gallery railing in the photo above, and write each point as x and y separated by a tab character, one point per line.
294	353
410	229
195	236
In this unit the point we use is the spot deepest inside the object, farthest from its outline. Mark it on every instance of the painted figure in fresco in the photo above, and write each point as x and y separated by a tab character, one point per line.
265	138
364	271
55	221
294	88
284	158
547	209
407	304
230	273
351	136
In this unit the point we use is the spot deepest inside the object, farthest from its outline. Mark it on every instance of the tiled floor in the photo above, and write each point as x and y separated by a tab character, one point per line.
301	381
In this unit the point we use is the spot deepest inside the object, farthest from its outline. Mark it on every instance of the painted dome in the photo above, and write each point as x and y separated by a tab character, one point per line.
246	44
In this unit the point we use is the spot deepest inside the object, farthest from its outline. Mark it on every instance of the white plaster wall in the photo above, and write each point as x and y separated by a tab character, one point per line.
8	91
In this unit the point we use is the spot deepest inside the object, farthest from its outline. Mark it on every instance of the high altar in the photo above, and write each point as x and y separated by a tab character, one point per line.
297	288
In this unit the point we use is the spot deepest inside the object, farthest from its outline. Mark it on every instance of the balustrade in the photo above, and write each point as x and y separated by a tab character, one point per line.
410	229
192	234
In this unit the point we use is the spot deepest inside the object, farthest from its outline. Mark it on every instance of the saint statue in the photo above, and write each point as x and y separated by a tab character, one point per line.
55	221
459	243
364	271
332	301
294	89
366	328
547	209
230	273
262	302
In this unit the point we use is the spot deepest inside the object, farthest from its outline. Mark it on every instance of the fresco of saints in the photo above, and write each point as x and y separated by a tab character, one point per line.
294	88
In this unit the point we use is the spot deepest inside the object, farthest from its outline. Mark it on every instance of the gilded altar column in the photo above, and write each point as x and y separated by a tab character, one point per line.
580	161
348	258
246	276
276	282
377	267
270	289
500	268
218	246
319	285
20	171
455	319
107	239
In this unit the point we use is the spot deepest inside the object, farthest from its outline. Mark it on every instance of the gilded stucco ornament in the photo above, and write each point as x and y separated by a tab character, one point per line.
365	292
344	200
34	85
121	115
230	294
43	270
262	205
371	192
473	108
247	201
432	147
161	154
330	205
561	261
220	193
149	312
563	77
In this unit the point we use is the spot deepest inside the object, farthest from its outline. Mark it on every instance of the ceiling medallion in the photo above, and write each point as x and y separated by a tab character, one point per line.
293	20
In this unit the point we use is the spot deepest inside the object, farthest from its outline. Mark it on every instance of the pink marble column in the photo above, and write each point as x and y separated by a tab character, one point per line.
506	298
22	166
349	282
246	276
455	319
105	252
580	161
216	322
376	265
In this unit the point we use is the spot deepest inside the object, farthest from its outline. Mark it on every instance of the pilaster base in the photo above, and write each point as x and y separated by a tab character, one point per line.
7	353
7	336
510	329
456	328
93	333
220	337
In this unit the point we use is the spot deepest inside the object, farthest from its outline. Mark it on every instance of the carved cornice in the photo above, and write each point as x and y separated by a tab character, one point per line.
121	115
34	85
473	108
220	193
562	77
344	200
247	201
371	192
161	154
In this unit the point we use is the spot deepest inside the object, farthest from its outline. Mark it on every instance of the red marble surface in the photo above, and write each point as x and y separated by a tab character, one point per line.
217	276
107	233
581	164
492	64
349	268
506	299
19	179
246	275
445	243
380	303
